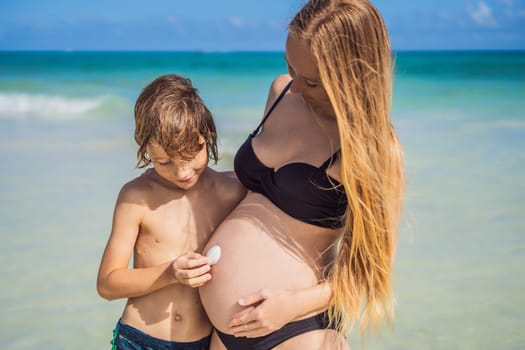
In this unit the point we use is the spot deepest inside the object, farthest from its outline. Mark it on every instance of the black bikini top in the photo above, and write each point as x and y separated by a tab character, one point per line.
301	190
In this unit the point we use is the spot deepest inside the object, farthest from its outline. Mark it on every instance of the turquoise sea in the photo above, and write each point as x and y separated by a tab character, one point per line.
66	147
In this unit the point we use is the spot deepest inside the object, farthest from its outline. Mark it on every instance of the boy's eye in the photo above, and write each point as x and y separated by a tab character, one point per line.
164	163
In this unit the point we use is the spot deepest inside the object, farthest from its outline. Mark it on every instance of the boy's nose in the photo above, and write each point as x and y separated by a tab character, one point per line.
183	173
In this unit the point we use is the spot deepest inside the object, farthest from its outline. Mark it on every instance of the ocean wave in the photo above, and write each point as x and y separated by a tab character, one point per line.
61	108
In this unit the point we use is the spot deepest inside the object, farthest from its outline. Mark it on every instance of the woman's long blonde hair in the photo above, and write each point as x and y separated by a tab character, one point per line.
351	47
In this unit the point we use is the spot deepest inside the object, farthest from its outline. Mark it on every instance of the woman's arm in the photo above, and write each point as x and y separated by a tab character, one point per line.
116	280
270	309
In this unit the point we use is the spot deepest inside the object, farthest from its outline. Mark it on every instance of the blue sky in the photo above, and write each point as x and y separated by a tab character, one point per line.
225	25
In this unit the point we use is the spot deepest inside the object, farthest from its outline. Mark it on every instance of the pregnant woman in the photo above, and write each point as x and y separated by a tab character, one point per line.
314	238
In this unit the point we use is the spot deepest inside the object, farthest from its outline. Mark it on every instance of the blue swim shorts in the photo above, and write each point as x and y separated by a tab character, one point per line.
129	338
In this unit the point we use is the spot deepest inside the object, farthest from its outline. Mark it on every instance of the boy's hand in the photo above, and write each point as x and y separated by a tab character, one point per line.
191	269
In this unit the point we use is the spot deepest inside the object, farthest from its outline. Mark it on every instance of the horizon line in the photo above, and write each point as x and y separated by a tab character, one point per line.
232	51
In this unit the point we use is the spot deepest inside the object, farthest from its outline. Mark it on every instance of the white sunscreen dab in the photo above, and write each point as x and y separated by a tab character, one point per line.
214	253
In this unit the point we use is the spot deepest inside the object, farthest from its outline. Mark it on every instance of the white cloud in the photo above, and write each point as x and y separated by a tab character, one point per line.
176	23
237	22
276	25
482	15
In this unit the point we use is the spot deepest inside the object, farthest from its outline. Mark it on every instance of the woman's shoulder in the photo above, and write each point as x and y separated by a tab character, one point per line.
278	84
280	81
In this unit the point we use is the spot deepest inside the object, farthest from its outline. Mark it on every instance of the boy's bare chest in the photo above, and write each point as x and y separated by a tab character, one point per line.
178	226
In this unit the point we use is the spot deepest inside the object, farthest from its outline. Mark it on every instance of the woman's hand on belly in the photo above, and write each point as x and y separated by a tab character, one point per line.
264	312
270	309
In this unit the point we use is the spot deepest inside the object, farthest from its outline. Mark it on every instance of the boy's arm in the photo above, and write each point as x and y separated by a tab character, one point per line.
269	310
115	280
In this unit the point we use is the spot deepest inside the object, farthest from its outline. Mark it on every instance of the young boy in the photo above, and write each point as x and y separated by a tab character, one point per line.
165	216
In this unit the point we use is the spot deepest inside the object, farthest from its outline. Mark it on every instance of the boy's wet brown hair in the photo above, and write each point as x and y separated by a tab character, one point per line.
170	112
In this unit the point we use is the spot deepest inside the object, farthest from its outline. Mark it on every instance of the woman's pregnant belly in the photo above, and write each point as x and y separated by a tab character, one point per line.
258	250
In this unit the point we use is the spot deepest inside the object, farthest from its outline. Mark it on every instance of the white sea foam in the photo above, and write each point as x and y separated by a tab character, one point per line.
49	107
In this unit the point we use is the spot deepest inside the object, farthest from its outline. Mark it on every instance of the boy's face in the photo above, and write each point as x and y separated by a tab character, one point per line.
180	172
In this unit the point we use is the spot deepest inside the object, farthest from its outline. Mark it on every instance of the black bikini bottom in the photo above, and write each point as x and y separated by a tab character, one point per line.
271	340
